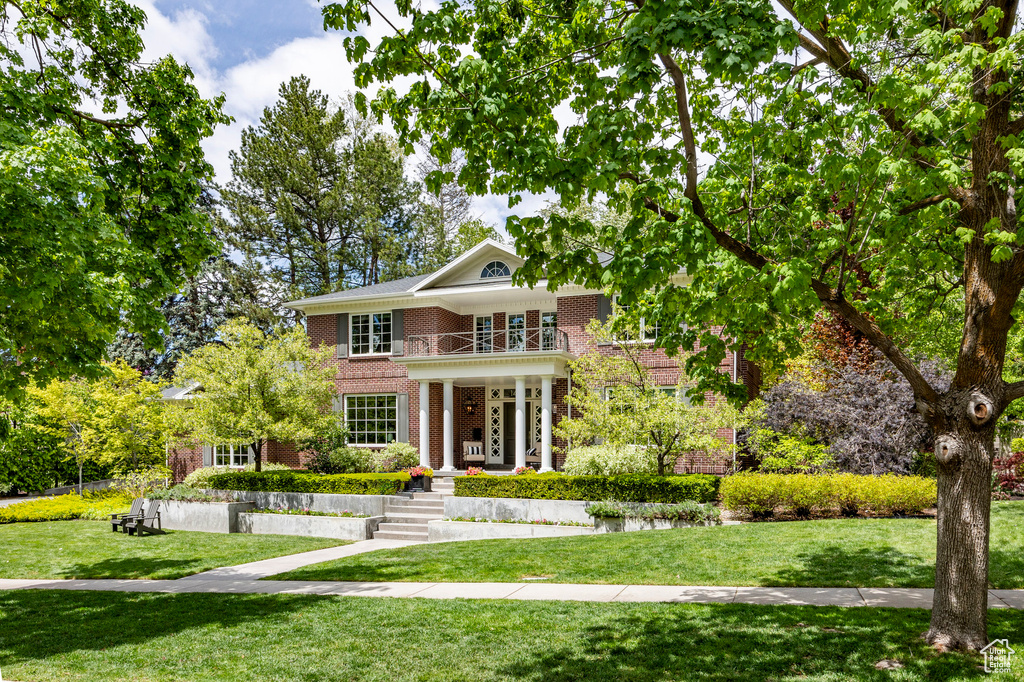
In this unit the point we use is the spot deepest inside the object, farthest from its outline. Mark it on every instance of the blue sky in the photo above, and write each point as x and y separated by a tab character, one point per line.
247	48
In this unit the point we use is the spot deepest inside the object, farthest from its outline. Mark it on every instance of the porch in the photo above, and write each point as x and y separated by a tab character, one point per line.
506	385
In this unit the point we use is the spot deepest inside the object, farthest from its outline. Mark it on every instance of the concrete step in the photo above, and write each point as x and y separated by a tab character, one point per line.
419	504
399	535
403	517
413	509
403	527
427	496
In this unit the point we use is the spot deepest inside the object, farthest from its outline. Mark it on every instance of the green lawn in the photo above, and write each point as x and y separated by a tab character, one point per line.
830	553
88	549
47	635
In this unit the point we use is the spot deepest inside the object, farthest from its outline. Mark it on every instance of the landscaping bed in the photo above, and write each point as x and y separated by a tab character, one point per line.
96	637
94	506
307	482
626	487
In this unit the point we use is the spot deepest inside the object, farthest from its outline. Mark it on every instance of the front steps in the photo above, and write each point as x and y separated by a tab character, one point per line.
406	519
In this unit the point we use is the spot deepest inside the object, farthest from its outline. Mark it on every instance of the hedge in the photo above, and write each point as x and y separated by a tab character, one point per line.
305	482
761	495
625	487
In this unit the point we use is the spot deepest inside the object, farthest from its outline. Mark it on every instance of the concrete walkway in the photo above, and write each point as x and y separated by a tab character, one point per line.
804	596
290	562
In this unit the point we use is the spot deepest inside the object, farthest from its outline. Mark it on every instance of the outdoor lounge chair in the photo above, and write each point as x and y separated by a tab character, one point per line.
148	522
117	521
473	452
533	455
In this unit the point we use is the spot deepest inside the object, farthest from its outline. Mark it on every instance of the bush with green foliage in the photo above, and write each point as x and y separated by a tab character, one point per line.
688	510
138	483
785	453
200	478
761	495
305	482
395	457
556	486
95	506
342	460
184	493
610	460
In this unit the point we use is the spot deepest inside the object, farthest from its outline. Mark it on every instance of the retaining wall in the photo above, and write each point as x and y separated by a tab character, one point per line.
337	527
516	509
206	517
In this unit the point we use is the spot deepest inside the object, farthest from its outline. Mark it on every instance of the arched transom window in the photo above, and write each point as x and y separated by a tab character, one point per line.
495	269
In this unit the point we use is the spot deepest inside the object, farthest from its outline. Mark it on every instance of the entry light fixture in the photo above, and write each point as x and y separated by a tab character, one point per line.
469	405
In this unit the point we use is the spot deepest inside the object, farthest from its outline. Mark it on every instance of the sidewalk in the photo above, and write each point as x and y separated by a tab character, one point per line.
289	562
805	596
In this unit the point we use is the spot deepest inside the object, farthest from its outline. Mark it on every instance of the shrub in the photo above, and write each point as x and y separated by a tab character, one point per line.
609	460
522	471
760	495
343	460
688	510
305	482
184	493
788	453
200	478
394	457
94	506
555	486
138	483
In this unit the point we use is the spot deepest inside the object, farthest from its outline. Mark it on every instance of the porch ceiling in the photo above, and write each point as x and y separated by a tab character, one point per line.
472	369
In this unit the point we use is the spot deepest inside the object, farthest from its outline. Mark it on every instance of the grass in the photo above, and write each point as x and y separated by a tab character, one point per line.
88	549
67	636
828	553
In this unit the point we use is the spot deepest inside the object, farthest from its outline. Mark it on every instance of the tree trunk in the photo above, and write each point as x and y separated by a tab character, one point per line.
257	447
960	606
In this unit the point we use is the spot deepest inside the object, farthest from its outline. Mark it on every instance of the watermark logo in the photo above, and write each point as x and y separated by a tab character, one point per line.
998	655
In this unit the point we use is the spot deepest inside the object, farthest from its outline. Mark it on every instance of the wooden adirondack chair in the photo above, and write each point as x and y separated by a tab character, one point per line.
148	522
117	521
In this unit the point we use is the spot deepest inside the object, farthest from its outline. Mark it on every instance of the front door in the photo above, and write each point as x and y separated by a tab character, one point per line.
510	430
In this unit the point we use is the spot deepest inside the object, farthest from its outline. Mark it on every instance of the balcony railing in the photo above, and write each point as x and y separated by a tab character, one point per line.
486	342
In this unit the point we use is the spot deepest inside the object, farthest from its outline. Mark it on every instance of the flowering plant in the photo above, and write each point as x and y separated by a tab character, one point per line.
420	471
525	470
474	471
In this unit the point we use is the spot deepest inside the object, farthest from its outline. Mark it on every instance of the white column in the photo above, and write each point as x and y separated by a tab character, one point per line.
424	423
520	422
545	424
449	425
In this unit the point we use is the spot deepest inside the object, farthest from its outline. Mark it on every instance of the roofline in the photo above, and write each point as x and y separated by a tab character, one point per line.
461	259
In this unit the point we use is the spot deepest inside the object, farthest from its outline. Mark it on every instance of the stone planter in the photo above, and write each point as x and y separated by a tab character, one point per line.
337	527
207	517
450	531
516	509
620	525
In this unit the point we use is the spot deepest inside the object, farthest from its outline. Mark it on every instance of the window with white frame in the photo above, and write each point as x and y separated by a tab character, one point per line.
517	331
370	334
484	339
371	419
231	455
648	330
548	328
495	269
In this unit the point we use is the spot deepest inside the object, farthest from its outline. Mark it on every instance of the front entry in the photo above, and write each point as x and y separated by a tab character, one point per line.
500	436
509	423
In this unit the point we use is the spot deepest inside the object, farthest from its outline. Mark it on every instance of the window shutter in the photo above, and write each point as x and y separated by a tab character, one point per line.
398	331
403	417
207	456
604	312
342	335
338	404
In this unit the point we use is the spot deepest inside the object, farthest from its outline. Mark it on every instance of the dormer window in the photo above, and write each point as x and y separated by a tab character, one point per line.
495	269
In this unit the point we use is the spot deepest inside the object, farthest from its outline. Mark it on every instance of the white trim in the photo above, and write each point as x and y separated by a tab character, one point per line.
351	334
469	255
344	412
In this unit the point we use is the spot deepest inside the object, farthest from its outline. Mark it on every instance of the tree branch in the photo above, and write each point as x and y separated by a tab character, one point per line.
923	203
1013	391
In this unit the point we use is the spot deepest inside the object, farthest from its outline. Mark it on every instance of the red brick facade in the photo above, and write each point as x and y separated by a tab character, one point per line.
379	374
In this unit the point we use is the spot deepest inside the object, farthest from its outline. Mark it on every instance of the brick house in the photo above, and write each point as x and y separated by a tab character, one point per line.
455	357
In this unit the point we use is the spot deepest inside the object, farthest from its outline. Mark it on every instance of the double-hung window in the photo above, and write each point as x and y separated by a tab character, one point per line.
371	334
548	329
517	331
231	455
371	419
648	330
483	341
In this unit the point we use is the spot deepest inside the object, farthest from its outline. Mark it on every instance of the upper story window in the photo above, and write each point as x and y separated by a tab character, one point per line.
648	330
495	269
371	334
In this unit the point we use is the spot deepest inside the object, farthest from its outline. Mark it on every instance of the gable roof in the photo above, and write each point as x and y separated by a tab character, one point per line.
486	245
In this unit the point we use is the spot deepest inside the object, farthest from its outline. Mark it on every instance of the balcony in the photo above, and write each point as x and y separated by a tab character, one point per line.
488	343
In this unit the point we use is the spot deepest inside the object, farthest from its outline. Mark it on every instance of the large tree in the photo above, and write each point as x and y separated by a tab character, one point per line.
318	199
100	175
253	387
857	156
